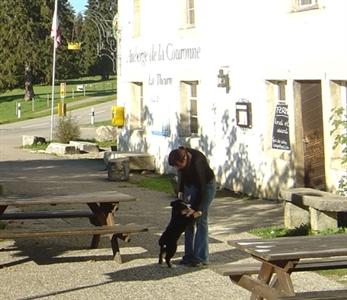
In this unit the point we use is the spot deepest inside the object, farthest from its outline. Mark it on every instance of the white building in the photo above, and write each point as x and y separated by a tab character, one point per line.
250	83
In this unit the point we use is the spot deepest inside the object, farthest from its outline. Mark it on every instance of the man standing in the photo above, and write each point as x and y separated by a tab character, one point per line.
196	182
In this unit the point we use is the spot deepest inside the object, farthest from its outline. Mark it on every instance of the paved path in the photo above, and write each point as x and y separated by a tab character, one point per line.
66	269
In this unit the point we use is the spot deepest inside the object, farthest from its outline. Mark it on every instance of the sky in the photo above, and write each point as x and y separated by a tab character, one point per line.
78	5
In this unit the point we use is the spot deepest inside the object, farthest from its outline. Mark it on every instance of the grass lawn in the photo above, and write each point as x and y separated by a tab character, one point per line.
161	183
96	91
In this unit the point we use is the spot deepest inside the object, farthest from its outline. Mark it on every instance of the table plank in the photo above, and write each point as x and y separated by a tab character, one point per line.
71	231
71	198
289	248
46	214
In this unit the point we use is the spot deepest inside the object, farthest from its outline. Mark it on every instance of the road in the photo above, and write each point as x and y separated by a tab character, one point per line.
11	134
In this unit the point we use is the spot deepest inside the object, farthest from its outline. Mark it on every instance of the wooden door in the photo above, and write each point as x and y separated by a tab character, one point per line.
313	139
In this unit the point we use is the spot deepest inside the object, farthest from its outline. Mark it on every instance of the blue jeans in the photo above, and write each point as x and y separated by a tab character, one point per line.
196	234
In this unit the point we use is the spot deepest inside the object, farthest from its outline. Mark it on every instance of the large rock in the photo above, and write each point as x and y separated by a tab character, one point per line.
106	133
118	169
29	140
137	161
61	149
85	147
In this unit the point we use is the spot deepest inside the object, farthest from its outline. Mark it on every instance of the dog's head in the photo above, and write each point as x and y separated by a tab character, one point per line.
178	206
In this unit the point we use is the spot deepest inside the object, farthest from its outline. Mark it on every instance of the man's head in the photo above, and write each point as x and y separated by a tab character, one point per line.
178	158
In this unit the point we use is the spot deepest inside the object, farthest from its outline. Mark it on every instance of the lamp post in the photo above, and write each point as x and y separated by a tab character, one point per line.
106	46
54	33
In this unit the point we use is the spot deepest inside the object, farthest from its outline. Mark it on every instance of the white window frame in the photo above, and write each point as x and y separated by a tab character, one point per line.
301	5
188	110
136	18
187	14
279	89
136	108
190	13
193	108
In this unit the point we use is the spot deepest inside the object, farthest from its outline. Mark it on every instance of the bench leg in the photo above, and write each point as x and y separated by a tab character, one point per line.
115	249
265	275
284	283
102	216
99	217
95	241
2	208
259	289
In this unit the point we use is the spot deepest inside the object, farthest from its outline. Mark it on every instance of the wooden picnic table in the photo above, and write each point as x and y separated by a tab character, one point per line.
102	206
279	257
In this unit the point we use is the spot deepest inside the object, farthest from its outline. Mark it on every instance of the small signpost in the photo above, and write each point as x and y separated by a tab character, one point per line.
62	105
81	88
92	116
62	90
18	111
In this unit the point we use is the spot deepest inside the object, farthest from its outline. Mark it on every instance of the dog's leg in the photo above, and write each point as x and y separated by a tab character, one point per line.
161	254
168	262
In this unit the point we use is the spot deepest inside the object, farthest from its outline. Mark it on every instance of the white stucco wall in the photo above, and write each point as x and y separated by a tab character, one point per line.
254	41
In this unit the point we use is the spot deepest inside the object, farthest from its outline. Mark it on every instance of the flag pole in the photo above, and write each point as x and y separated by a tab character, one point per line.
53	71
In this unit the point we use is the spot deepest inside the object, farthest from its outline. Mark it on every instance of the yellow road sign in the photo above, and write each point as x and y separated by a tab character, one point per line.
62	89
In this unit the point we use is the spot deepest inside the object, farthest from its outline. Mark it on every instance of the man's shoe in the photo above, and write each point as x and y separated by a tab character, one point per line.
199	264
184	262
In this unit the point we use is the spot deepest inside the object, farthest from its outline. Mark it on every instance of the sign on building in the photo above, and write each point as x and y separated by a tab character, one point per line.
280	133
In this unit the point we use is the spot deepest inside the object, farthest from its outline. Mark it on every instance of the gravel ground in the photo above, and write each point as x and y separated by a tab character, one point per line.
66	269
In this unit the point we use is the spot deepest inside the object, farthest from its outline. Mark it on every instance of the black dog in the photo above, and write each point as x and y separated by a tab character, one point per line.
178	223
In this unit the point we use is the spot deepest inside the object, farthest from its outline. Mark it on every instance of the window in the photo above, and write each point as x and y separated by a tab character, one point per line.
187	16
300	5
307	2
190	12
193	108
136	18
279	89
136	107
188	122
275	97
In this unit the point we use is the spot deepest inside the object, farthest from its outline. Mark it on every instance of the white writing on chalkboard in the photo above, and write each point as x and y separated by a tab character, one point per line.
282	109
280	133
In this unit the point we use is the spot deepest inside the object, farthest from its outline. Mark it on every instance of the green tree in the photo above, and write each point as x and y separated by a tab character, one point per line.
339	123
22	29
26	47
67	61
99	45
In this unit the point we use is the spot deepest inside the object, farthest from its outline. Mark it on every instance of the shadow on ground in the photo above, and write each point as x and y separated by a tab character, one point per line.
230	214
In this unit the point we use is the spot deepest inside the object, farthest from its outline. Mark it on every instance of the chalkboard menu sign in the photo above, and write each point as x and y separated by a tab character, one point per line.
280	133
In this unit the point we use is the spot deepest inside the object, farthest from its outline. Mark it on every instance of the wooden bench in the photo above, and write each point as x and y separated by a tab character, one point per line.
47	215
235	271
122	232
303	265
319	295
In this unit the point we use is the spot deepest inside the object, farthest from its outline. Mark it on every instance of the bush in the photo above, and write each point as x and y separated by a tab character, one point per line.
339	122
67	129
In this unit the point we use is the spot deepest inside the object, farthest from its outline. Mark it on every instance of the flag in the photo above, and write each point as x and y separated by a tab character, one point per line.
55	34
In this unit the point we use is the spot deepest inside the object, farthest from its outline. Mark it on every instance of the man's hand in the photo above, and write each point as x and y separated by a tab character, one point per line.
190	212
